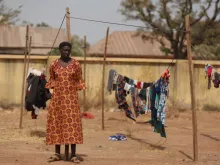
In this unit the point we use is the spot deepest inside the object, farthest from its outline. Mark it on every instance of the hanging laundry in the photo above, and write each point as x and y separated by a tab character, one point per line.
127	87
36	93
159	93
148	100
131	82
212	76
134	101
112	75
138	85
142	94
146	97
120	95
126	79
145	100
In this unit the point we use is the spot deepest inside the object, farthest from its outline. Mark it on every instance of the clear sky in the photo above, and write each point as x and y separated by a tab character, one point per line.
52	12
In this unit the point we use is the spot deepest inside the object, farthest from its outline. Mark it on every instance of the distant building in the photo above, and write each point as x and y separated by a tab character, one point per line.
12	40
127	44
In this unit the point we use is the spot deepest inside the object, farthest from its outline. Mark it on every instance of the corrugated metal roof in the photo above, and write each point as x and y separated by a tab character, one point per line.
128	43
14	36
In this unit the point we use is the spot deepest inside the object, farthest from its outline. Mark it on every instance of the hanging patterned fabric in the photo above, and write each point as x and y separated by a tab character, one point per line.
212	76
146	97
148	92
163	91
120	95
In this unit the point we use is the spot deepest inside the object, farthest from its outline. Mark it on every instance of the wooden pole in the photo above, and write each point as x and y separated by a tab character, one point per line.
68	24
84	92
28	62
103	80
29	54
69	40
23	81
192	89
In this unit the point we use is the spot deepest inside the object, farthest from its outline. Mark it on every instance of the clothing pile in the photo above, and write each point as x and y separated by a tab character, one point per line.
36	93
212	76
118	137
147	97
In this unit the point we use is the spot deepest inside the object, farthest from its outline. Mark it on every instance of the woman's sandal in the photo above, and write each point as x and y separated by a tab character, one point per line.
54	158
74	159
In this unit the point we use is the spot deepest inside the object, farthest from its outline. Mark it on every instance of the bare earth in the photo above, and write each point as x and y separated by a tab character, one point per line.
27	146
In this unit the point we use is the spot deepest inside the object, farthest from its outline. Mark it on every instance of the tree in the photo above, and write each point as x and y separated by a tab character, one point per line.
8	15
166	18
42	24
77	47
208	52
209	48
25	23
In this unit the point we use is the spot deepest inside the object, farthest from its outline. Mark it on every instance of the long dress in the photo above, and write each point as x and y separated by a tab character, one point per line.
64	125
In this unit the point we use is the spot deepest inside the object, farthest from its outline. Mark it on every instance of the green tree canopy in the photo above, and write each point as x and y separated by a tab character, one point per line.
43	24
166	19
8	15
77	47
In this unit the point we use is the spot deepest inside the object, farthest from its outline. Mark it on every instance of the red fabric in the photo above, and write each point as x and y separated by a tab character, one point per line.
139	85
87	115
166	74
209	71
42	77
33	115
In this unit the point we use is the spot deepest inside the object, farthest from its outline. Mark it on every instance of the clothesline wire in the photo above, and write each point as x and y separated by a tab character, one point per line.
113	23
119	24
57	35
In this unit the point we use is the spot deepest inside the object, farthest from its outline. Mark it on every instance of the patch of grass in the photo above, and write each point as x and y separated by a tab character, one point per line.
211	108
172	112
6	105
38	134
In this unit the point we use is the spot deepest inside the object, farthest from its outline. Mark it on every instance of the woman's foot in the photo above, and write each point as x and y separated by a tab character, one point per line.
75	159
54	158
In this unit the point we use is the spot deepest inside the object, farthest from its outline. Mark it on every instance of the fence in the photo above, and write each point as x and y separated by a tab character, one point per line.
11	69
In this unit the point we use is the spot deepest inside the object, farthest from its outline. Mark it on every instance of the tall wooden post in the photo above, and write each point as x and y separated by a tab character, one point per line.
103	80
24	74
29	54
68	24
192	89
84	92
69	40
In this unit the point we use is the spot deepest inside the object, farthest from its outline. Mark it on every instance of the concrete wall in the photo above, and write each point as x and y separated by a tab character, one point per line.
11	69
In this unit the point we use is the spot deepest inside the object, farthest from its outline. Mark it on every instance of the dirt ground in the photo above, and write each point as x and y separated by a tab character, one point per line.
27	146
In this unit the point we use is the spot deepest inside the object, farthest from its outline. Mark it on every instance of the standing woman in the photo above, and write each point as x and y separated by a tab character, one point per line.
64	126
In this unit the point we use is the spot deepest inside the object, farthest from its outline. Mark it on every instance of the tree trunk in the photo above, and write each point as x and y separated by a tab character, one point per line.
178	52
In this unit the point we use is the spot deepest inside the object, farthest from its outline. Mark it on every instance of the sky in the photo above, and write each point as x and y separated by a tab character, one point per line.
52	12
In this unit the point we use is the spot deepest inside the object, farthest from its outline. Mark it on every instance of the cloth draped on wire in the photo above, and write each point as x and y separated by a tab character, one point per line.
36	93
159	92
120	96
212	76
146	97
162	91
124	86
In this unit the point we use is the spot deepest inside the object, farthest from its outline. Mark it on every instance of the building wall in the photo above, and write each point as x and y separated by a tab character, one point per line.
11	69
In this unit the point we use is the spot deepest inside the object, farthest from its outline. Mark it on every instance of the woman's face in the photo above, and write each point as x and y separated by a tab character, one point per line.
65	52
